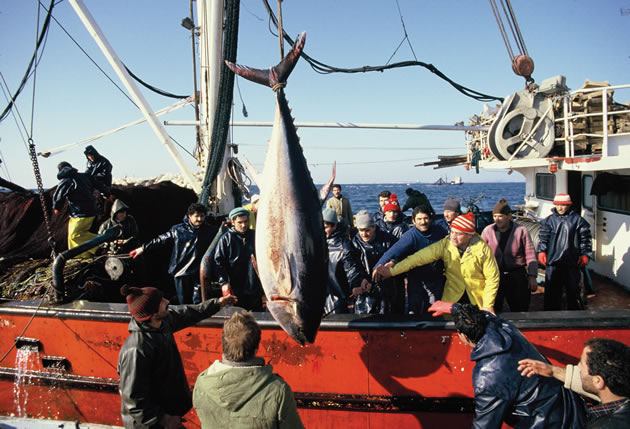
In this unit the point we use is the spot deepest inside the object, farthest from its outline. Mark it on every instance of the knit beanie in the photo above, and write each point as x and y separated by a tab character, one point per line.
464	223
392	204
562	199
239	211
452	205
330	215
363	220
501	207
142	302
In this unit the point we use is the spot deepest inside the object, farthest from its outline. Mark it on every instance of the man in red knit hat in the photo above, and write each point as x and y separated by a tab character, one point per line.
472	274
153	387
564	248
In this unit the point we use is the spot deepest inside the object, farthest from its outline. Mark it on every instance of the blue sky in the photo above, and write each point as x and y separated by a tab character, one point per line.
73	100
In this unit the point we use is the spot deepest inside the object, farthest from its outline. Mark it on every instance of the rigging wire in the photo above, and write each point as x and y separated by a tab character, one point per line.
323	68
13	112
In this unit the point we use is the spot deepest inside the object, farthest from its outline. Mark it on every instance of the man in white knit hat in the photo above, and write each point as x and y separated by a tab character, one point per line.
564	249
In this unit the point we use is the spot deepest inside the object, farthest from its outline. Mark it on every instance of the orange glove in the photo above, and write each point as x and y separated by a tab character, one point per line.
226	290
56	211
441	307
542	258
136	252
582	261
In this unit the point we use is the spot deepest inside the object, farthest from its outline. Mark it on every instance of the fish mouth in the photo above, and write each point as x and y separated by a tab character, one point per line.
279	299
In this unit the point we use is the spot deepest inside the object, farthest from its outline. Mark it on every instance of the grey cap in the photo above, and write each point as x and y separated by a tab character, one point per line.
363	220
330	215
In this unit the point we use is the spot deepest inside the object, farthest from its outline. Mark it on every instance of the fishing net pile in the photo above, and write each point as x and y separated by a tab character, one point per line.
25	253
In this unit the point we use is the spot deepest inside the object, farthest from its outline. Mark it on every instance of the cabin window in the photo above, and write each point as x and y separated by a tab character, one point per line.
545	186
587	198
618	199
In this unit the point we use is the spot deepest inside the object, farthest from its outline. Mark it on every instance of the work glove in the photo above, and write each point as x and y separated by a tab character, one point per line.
56	211
440	307
136	252
542	258
582	261
226	290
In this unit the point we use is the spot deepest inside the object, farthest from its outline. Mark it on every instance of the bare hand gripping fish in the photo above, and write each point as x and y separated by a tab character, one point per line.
291	248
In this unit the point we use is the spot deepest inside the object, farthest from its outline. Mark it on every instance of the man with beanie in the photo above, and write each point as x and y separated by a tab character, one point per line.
234	262
77	188
564	248
451	210
513	249
345	277
393	218
240	390
190	240
371	243
153	387
415	199
471	270
341	205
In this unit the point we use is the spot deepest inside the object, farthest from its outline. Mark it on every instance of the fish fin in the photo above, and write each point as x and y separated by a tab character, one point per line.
253	173
284	279
275	75
325	190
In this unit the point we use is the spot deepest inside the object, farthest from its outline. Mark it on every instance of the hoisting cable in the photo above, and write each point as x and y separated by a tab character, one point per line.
323	68
522	64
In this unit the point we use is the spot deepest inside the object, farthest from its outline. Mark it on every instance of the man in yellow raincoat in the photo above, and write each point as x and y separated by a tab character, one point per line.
470	265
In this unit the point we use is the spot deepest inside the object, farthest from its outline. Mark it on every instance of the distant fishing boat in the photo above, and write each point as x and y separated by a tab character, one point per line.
457	181
440	181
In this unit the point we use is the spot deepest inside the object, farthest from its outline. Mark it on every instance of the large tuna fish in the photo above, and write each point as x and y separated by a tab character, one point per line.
291	249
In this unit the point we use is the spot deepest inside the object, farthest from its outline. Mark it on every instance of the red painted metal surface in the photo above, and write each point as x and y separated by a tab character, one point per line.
429	363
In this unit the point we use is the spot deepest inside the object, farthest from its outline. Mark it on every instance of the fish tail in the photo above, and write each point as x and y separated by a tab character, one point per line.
275	77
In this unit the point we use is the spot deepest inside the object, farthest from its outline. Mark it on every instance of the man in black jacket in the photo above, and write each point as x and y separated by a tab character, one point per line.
234	262
345	277
603	371
501	394
98	167
190	240
77	188
153	386
564	247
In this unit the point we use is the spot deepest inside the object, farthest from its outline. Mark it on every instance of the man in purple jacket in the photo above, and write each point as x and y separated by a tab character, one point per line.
516	257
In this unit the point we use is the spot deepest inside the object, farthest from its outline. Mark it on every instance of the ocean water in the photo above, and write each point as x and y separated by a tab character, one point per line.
485	195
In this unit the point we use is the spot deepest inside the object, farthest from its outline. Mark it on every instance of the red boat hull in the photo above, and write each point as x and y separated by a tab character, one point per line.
361	372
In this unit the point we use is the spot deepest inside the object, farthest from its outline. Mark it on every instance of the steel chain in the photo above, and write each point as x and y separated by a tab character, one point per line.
40	188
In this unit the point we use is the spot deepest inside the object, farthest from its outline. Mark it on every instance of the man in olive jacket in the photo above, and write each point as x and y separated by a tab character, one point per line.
153	387
240	391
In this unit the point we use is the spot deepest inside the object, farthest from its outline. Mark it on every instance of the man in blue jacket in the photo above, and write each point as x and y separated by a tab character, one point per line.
190	240
501	394
564	247
425	284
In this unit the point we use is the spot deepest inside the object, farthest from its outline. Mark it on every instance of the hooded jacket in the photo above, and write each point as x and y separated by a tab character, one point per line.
564	238
474	272
250	397
152	378
417	198
233	263
398	228
501	393
344	272
189	246
129	225
100	169
77	188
